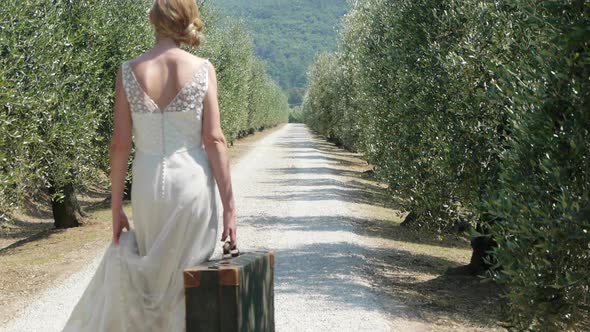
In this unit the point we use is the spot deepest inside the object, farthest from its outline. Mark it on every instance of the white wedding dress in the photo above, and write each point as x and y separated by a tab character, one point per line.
138	285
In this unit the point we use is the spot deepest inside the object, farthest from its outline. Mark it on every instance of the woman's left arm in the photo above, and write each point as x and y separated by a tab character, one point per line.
120	148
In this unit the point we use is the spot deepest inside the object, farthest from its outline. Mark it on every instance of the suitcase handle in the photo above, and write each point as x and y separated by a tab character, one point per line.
227	250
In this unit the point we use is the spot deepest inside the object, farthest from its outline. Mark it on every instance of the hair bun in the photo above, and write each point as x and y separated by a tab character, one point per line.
170	19
192	34
198	24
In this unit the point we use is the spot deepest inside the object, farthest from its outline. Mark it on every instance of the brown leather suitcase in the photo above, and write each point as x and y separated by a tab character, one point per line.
231	294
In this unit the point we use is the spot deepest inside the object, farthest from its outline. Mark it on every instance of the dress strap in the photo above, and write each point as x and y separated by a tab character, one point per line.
206	88
125	74
205	62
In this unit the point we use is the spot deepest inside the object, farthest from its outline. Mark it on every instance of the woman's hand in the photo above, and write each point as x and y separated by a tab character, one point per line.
229	227
120	221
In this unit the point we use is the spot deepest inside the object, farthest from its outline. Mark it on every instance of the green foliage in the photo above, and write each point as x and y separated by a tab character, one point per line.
296	115
248	98
543	200
478	110
288	33
59	59
233	62
268	104
329	94
407	88
58	63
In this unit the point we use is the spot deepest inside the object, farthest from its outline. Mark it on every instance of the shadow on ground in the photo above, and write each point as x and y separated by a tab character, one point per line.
412	279
415	282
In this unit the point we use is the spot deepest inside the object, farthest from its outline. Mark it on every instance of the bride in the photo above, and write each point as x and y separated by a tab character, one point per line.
166	103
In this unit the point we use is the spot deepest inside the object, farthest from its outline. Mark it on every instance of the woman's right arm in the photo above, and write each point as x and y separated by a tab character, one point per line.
216	148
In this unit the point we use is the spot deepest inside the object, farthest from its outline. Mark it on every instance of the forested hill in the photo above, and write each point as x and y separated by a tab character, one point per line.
288	34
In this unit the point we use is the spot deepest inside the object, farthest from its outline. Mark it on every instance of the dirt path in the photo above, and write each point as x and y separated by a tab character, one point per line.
34	256
342	263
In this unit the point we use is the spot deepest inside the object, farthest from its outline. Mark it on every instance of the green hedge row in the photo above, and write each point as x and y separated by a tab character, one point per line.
476	111
58	61
249	99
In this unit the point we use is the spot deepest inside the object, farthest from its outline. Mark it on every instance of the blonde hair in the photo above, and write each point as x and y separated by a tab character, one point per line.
179	20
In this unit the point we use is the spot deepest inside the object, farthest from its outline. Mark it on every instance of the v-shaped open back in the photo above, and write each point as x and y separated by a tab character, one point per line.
174	128
141	102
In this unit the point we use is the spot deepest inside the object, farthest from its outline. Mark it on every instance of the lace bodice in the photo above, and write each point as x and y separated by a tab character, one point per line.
174	128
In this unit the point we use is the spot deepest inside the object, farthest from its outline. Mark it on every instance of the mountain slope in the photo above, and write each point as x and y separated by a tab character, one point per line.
288	34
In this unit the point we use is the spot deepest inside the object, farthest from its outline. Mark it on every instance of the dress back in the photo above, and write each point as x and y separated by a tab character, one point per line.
176	127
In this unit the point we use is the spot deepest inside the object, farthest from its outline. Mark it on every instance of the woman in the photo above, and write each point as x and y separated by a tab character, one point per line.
167	98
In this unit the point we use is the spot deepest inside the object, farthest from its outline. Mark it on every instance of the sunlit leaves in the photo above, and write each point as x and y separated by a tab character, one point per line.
57	72
470	109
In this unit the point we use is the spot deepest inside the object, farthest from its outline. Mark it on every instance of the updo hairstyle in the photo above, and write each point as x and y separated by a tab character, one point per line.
179	20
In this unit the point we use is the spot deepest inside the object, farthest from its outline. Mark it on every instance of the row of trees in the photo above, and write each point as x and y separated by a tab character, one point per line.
58	61
476	111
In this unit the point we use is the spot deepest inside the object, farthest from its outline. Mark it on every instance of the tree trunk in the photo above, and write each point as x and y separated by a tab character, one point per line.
481	246
66	211
409	219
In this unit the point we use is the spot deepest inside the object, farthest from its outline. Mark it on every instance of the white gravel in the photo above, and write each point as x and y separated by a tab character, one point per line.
288	201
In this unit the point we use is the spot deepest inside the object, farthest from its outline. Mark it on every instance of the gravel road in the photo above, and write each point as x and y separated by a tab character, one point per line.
288	200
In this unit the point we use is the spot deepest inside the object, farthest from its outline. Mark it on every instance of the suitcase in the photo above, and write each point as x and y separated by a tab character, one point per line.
231	294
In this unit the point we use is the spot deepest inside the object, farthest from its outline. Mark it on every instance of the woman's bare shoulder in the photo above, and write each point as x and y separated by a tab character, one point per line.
140	58
181	58
133	62
199	60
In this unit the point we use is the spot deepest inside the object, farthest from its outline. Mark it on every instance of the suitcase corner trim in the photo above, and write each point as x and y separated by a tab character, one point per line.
192	278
